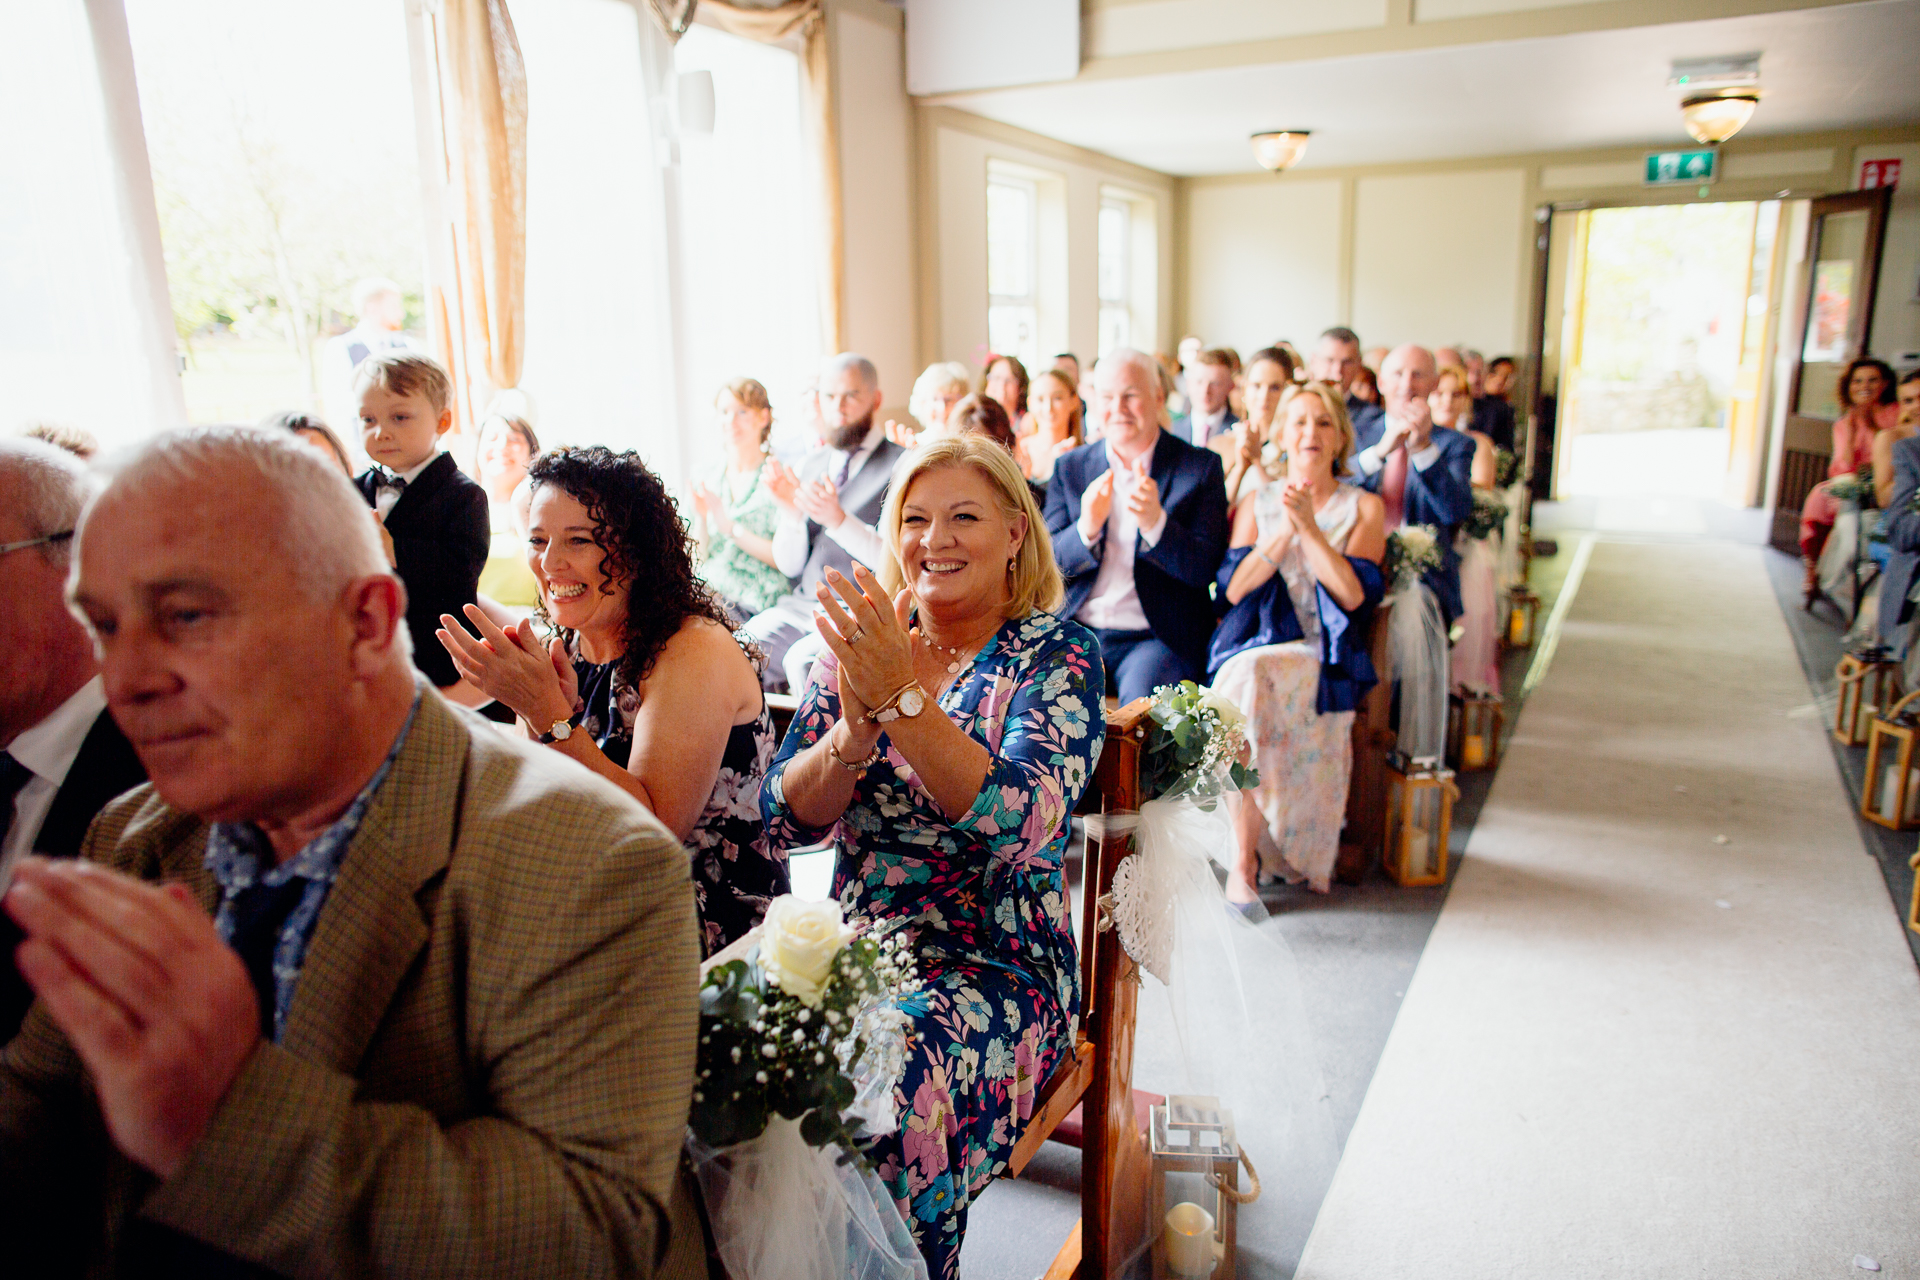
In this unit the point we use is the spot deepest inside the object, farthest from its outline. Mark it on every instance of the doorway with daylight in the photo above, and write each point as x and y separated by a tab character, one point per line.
1665	327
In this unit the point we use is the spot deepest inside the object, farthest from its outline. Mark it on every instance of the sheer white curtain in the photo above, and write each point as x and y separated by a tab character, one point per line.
86	332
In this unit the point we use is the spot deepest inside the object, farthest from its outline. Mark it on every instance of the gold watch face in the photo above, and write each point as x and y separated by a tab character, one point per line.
912	702
561	731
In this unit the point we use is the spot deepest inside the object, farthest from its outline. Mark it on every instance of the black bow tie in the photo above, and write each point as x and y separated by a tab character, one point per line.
388	480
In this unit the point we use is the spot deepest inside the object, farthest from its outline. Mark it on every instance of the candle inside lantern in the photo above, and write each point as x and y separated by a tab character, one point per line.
1189	1240
1416	853
1473	751
1517	626
1863	721
1890	794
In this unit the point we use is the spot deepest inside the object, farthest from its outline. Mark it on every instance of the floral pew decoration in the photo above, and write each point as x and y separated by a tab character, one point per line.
802	1045
1419	642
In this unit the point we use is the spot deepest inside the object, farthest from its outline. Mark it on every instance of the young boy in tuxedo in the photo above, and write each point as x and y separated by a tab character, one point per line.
435	515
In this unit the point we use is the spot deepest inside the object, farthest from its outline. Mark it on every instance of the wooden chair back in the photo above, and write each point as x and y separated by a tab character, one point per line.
1098	1077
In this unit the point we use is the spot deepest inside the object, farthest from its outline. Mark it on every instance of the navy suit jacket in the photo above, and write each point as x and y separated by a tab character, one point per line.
1365	416
1172	576
1441	495
1902	527
105	767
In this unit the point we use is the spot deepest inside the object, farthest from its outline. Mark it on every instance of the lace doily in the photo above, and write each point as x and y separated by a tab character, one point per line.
1143	916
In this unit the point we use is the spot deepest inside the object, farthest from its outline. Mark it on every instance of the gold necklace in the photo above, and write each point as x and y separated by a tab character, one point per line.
956	651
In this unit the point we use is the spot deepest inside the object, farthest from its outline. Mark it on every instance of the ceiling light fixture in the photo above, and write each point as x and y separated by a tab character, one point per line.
1694	74
1280	149
1715	117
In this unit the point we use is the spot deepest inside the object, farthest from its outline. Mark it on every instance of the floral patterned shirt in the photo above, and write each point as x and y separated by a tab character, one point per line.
988	884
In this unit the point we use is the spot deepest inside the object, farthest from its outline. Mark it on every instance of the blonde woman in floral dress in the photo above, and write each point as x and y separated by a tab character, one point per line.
942	742
1300	580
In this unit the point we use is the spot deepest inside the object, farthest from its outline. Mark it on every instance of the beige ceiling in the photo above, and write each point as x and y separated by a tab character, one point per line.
1834	67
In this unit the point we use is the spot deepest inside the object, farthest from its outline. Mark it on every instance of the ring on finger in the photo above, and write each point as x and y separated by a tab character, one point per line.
857	633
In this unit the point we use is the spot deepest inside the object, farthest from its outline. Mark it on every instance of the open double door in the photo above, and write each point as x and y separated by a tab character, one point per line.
1831	325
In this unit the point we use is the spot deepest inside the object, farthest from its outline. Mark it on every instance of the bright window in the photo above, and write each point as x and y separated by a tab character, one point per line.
1013	314
1116	272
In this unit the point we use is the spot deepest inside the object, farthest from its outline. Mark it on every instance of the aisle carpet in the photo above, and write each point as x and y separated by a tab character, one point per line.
1666	1023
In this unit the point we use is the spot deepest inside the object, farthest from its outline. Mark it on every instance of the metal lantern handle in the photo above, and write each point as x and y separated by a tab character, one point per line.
1238	1197
1900	706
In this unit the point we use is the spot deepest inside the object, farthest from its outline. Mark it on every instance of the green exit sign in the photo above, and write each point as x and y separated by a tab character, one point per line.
1682	167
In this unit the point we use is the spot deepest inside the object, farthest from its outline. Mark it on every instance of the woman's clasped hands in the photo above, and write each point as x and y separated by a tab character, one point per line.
511	666
869	636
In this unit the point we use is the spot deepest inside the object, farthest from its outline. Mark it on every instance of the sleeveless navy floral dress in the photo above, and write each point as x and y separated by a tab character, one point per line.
736	870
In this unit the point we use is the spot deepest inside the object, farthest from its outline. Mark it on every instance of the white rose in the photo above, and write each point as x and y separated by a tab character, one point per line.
1417	541
1229	713
798	943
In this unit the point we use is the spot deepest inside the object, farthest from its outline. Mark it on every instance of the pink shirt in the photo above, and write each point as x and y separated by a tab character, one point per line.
1853	434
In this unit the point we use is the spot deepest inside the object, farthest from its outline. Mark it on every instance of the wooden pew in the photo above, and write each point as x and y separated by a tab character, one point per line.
1373	738
1098	1076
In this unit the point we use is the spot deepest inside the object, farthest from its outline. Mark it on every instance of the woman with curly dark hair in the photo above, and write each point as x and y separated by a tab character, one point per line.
645	683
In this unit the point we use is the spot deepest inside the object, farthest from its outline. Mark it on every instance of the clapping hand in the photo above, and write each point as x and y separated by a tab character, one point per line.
1299	503
1096	504
783	485
821	503
511	666
1142	493
901	433
869	636
158	1007
710	509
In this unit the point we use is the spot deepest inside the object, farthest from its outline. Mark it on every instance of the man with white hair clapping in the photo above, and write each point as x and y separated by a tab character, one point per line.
1139	525
357	986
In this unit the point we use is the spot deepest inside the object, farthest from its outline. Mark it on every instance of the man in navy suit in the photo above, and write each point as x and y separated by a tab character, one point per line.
1422	472
1139	524
62	758
1209	388
1335	361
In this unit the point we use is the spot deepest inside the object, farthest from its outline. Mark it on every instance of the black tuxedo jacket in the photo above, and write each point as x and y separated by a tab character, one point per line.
105	768
441	534
1174	575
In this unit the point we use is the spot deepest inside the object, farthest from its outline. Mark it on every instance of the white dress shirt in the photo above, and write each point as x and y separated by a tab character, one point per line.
386	494
1372	458
48	750
862	540
1115	602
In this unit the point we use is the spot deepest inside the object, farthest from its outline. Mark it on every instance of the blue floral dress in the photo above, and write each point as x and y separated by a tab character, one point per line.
993	932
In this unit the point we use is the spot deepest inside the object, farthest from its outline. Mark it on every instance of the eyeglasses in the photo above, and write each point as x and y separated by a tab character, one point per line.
41	541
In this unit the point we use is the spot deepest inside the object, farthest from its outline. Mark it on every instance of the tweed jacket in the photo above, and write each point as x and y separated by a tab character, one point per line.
487	1062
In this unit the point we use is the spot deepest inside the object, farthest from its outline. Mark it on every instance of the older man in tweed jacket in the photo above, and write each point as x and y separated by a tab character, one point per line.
357	987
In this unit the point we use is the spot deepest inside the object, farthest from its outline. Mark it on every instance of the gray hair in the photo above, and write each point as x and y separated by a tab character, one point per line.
47	487
935	378
851	361
322	529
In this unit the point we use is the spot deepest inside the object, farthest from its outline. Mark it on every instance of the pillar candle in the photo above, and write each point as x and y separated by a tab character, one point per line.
1517	627
1189	1240
1473	751
1890	794
1416	863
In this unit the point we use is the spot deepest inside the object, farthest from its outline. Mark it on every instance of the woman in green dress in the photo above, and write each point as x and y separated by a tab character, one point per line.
736	511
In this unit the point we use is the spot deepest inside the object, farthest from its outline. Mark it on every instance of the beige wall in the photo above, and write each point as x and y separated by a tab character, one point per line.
1443	252
876	185
1265	261
956	149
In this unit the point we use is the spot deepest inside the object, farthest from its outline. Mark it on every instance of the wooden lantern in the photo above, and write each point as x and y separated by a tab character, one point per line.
1193	1134
1890	793
1474	721
1868	681
1420	796
1913	907
1523	615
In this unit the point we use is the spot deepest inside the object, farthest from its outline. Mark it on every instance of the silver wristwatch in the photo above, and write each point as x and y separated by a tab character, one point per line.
910	703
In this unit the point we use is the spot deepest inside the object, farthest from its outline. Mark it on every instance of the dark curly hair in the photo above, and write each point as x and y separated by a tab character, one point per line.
1887	393
646	545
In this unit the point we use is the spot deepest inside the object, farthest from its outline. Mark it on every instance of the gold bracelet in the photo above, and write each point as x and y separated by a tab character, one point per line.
860	766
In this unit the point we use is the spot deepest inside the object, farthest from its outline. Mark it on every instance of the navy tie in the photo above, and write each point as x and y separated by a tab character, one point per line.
259	912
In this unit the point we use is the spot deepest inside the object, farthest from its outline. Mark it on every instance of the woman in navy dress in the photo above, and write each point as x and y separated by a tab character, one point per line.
646	683
943	742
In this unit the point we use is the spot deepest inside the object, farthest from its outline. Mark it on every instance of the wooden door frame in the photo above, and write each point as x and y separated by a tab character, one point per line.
1875	201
